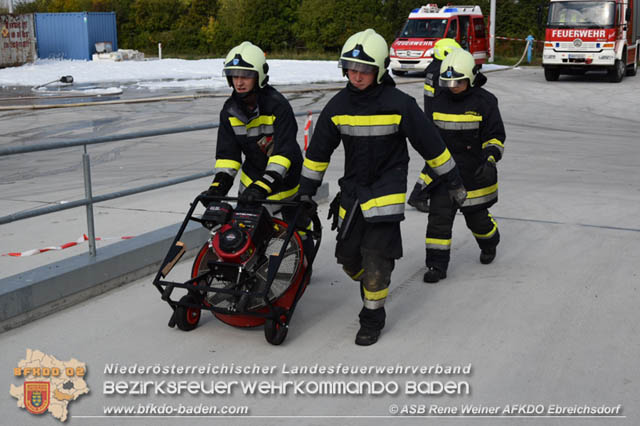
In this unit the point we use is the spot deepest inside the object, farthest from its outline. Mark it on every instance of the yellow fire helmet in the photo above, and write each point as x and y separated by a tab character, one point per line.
457	66
366	51
246	60
443	47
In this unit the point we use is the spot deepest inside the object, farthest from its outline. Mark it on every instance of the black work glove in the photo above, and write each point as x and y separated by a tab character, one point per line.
310	207
457	192
214	191
334	212
487	173
220	186
270	183
309	210
252	194
458	195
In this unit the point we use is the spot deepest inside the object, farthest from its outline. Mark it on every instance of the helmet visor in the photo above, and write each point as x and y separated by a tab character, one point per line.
452	78
358	66
234	72
452	83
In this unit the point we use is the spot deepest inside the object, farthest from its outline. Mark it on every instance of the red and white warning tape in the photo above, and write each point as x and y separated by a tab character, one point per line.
63	246
308	128
518	39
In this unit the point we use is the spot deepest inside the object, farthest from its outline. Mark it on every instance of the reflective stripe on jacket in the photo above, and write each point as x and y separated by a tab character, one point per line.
472	129
373	126
267	138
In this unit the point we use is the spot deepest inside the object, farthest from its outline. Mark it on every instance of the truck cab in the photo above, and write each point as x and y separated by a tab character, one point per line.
591	35
412	50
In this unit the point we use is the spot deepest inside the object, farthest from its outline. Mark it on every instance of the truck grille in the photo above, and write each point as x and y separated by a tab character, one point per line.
409	53
585	47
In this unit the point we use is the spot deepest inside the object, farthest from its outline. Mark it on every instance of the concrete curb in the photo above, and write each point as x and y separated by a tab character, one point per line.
39	292
42	291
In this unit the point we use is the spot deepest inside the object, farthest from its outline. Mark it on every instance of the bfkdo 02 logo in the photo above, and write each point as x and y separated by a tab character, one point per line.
37	394
50	385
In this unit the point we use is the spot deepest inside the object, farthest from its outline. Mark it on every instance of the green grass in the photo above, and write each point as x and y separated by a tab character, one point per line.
512	60
304	55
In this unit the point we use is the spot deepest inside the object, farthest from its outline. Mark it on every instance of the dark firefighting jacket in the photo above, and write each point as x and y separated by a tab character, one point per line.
431	85
266	137
373	126
472	129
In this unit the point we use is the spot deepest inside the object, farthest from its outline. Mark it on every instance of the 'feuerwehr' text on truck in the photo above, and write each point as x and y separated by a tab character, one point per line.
592	35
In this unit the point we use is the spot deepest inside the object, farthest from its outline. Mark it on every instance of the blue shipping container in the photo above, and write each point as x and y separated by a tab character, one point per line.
74	35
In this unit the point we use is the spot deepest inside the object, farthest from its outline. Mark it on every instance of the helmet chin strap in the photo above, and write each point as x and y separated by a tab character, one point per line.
245	95
461	95
248	99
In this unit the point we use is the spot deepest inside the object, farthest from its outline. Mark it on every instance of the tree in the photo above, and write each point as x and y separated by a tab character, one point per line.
154	20
214	26
265	23
190	27
326	24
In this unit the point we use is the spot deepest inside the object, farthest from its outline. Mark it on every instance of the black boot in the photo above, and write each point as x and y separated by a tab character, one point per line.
371	324
487	255
367	336
433	275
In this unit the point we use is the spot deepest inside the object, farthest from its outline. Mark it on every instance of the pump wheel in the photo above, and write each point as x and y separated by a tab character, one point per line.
274	331
187	318
551	74
617	72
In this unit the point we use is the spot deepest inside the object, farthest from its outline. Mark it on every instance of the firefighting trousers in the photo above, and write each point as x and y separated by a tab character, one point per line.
368	256
441	216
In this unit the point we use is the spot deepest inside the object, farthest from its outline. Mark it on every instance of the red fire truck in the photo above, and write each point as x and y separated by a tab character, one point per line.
412	50
586	35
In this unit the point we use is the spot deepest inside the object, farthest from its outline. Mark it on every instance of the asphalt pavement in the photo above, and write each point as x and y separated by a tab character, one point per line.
551	322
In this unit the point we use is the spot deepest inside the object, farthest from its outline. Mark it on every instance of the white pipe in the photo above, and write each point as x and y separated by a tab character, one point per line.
492	30
159	50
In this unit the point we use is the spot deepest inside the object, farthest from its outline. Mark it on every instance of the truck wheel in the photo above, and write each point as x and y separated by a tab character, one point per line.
551	74
617	72
396	72
633	68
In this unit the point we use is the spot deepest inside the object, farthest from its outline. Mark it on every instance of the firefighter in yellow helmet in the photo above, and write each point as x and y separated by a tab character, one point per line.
256	123
372	119
469	121
419	198
432	88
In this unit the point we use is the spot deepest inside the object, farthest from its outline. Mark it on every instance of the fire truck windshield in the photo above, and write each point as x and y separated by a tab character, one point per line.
582	14
424	28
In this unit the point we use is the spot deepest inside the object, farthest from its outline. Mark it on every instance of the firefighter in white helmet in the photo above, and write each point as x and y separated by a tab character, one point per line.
256	122
373	119
469	121
419	197
441	49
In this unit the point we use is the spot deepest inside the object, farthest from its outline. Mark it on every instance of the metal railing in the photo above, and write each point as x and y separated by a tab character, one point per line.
89	199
